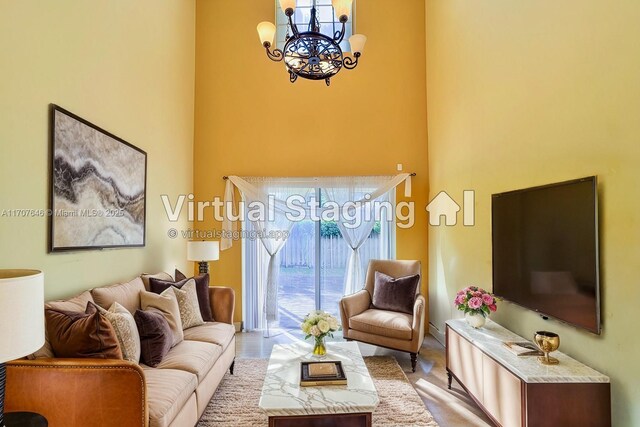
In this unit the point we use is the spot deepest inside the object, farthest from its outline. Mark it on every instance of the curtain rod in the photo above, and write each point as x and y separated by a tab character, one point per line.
225	177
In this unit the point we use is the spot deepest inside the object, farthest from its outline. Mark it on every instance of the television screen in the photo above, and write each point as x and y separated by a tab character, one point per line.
545	250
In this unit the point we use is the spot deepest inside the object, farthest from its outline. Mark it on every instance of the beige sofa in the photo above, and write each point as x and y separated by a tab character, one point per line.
97	392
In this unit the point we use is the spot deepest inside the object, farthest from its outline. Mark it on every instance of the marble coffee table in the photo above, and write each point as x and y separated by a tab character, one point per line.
287	404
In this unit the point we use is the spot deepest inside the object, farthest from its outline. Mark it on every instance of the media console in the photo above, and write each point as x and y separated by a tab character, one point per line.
518	391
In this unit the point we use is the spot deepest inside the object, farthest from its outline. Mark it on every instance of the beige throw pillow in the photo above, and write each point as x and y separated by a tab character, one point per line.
167	304
126	330
188	303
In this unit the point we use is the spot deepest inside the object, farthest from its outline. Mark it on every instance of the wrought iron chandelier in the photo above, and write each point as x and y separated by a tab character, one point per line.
311	54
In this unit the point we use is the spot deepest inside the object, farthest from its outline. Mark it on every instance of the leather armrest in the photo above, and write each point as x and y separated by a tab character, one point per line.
352	305
79	392
223	302
419	313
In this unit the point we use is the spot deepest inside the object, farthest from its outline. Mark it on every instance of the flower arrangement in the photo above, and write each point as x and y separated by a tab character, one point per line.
319	324
474	300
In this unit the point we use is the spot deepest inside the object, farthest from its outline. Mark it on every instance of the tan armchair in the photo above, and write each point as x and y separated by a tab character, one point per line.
390	329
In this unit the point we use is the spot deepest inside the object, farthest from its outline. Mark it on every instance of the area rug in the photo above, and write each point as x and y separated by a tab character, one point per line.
236	400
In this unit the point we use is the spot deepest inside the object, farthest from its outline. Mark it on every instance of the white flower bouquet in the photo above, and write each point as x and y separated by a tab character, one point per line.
319	324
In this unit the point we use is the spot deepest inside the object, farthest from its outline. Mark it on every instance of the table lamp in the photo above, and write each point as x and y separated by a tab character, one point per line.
21	320
202	252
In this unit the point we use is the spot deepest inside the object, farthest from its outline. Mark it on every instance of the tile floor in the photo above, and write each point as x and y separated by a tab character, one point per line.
450	408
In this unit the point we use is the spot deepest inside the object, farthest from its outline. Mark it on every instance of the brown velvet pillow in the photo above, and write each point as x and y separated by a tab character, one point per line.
77	334
202	289
395	294
155	336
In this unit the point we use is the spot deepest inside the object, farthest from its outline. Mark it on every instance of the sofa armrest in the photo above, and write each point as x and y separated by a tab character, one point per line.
352	305
223	303
79	392
419	313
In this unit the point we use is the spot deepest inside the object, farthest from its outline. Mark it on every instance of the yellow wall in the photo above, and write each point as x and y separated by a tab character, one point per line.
127	66
533	92
251	121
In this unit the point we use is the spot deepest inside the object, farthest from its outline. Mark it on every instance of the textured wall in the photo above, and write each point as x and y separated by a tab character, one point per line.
533	92
126	66
251	121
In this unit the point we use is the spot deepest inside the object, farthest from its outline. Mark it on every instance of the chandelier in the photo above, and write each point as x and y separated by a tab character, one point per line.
311	54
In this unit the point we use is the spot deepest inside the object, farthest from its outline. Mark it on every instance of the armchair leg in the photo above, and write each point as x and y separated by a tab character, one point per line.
233	365
414	361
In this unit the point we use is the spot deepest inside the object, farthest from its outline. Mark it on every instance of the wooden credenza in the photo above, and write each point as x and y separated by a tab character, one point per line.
518	391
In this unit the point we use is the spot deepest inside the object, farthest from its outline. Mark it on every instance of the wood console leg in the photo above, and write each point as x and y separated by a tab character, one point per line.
414	361
449	378
233	364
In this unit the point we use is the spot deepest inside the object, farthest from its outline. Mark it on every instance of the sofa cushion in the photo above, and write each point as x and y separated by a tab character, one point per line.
125	294
192	356
75	334
202	288
167	304
146	276
155	336
126	331
167	392
395	294
77	303
212	332
385	323
188	303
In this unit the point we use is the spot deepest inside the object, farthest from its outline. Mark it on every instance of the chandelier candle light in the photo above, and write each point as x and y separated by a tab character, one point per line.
311	54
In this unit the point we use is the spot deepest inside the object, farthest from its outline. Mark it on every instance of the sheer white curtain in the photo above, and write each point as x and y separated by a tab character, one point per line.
360	198
269	217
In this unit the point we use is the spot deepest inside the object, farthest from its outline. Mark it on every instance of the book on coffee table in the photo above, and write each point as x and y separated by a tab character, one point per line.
322	373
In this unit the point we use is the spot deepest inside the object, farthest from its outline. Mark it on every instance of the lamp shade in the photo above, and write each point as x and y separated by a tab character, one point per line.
266	31
203	251
357	42
287	4
21	313
342	7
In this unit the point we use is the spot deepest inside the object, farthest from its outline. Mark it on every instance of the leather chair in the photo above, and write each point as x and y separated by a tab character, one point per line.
390	329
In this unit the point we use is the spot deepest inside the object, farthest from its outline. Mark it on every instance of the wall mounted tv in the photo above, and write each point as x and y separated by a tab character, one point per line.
545	250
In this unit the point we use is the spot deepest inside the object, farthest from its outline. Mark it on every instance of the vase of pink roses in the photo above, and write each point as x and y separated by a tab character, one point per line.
477	304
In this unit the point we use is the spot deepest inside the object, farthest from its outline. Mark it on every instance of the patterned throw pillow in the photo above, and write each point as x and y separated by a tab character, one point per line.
126	330
202	288
188	303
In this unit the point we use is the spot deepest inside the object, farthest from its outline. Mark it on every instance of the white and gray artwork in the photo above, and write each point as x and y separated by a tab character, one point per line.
98	195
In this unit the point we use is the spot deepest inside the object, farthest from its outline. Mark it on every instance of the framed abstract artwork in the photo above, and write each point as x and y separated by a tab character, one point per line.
98	187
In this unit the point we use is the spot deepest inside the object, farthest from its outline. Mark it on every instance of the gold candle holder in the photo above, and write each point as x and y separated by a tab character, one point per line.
547	342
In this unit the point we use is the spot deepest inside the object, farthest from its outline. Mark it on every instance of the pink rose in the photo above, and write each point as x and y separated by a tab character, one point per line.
487	299
477	294
475	302
460	299
493	307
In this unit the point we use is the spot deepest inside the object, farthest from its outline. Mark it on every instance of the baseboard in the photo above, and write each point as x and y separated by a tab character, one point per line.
439	336
239	326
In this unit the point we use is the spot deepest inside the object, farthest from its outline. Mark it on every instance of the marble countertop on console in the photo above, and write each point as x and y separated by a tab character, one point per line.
283	396
489	339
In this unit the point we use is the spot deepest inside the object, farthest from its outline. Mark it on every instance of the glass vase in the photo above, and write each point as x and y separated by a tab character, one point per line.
319	349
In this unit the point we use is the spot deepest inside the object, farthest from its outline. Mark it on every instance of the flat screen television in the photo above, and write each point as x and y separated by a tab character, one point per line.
545	250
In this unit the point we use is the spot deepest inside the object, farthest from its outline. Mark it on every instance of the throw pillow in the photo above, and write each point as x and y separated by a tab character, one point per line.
202	288
126	330
395	294
84	335
188	303
167	304
155	336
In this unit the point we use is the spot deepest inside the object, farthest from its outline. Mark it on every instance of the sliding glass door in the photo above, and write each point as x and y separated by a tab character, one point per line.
311	265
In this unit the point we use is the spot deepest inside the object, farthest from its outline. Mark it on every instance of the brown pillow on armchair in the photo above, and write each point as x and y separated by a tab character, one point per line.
77	334
395	294
202	289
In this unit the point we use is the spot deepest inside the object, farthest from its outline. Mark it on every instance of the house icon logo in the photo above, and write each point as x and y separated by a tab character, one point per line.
443	205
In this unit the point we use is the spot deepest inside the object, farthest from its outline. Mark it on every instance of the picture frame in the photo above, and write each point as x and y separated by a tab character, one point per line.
98	185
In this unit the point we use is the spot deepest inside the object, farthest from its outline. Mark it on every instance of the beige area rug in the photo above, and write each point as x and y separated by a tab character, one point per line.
236	400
